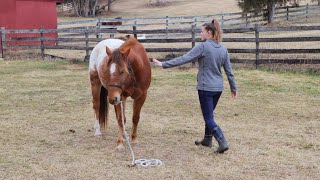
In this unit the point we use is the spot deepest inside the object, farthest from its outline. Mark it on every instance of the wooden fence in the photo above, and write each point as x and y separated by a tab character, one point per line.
236	40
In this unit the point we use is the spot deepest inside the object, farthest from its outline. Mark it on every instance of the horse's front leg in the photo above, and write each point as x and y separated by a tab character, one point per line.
120	145
96	89
137	105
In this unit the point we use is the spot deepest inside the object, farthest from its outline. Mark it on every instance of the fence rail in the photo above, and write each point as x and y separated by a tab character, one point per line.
255	36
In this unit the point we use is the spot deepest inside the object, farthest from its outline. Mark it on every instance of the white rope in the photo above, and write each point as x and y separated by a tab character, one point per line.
141	162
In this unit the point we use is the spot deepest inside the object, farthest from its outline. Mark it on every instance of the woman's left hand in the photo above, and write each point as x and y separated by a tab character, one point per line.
234	94
157	62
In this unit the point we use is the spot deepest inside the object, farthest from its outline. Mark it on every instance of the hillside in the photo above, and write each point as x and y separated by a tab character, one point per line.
141	8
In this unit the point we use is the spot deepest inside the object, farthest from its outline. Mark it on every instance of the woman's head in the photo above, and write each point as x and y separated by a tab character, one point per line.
212	31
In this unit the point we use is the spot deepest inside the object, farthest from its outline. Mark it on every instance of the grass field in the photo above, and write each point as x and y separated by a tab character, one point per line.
46	127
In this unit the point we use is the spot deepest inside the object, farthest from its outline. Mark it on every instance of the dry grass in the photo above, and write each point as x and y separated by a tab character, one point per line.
140	9
47	118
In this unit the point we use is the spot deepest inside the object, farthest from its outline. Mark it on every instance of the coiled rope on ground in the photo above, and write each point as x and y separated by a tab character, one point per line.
140	162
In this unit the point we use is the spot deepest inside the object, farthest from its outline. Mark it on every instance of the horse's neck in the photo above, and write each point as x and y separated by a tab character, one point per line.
136	67
139	62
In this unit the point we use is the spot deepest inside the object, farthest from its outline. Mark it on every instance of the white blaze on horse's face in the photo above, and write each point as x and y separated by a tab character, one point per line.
112	68
114	89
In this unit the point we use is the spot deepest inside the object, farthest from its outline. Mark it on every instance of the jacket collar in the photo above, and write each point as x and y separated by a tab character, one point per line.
214	44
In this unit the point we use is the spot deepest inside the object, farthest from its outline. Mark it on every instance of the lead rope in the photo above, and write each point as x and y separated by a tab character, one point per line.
141	162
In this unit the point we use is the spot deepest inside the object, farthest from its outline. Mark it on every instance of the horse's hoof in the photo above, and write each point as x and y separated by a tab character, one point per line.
98	134
120	147
134	142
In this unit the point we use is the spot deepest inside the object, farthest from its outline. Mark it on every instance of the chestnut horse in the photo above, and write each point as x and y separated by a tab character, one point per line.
124	71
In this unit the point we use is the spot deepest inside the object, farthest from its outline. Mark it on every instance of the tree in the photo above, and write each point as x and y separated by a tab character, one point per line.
87	8
270	5
109	5
316	1
84	8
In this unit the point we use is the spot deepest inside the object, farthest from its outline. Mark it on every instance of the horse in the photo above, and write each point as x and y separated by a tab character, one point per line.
118	69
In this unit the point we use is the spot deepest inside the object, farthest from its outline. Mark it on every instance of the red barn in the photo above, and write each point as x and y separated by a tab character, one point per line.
29	14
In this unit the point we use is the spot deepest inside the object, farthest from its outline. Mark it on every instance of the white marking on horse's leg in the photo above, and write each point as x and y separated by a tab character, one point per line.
97	129
112	68
120	147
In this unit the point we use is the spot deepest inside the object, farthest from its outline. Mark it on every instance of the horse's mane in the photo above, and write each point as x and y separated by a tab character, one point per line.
116	57
128	44
117	54
137	51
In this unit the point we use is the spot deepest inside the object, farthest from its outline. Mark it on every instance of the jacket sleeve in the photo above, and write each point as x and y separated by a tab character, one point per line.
193	54
228	69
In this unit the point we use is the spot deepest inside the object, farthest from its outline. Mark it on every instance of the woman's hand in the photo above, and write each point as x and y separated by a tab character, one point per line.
234	94
157	62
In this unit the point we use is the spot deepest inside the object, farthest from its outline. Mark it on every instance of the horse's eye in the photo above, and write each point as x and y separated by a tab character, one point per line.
121	72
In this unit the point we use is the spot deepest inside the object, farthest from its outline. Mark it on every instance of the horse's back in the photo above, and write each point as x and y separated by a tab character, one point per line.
99	52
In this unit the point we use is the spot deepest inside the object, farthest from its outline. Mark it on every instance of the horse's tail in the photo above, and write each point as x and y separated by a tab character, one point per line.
104	107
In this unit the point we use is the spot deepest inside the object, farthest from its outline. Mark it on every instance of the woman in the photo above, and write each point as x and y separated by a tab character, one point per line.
211	56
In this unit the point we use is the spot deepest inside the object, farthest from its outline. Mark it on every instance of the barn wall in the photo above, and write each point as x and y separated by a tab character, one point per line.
29	14
36	14
8	14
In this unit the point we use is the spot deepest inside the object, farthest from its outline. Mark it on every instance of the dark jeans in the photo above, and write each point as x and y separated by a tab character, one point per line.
208	101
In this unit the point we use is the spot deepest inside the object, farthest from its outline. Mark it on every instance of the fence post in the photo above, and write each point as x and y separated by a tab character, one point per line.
287	13
134	28
246	19
42	43
99	35
307	7
167	26
256	29
222	21
195	21
86	33
193	36
3	42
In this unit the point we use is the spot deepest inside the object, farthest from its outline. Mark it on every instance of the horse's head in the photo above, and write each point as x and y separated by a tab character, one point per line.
118	73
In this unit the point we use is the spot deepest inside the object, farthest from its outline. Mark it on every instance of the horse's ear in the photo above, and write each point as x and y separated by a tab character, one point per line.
125	51
108	51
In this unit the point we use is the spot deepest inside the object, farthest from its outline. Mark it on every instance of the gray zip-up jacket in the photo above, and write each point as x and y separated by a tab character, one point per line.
211	56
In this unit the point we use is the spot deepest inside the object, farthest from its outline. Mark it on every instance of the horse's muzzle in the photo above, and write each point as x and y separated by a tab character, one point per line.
115	100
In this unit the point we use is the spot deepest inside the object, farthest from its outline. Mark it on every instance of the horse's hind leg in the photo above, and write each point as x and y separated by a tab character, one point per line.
137	105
